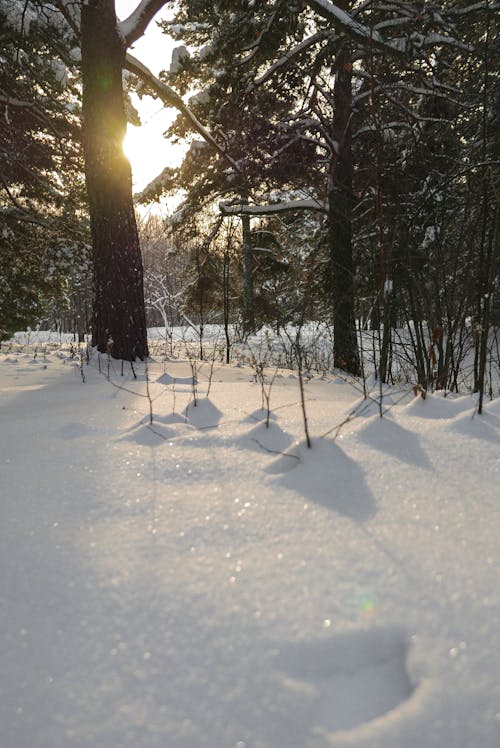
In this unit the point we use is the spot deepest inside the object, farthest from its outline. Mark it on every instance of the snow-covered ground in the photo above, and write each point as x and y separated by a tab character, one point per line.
207	582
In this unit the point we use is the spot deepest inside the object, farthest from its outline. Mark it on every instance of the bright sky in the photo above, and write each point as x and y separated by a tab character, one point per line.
149	152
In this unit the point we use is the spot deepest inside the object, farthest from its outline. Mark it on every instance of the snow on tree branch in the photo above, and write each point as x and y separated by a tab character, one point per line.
424	41
172	98
288	57
344	21
238	209
133	27
485	5
399	47
71	14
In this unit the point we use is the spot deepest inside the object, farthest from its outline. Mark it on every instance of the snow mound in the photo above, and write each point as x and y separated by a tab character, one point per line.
270	439
203	415
484	427
260	415
74	430
150	435
438	406
394	441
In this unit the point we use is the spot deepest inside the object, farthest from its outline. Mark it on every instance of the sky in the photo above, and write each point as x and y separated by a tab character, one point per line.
148	151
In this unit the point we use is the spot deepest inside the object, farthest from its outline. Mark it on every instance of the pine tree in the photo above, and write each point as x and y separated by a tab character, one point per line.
43	227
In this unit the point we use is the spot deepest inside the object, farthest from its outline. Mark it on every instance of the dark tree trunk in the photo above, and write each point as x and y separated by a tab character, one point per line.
119	320
340	197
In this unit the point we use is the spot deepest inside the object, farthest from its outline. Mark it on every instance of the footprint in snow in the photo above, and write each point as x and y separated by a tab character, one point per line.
350	679
74	431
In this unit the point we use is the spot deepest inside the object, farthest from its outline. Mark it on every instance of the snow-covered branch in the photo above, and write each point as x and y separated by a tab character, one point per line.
21	214
485	5
239	209
347	24
427	41
288	57
133	27
172	98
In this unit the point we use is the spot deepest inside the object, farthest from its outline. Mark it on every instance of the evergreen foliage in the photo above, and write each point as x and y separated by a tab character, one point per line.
44	263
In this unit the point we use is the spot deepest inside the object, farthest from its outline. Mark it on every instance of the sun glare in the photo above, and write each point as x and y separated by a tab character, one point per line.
149	152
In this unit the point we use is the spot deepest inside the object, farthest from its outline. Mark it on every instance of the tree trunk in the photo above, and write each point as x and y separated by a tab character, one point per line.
248	289
340	197
119	320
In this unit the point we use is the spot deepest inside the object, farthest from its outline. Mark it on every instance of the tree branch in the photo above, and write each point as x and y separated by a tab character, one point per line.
353	28
287	58
240	209
172	98
133	27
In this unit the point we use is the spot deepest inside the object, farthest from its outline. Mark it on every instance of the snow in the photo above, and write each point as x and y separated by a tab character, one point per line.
200	98
228	209
344	19
19	15
133	27
60	73
179	54
207	582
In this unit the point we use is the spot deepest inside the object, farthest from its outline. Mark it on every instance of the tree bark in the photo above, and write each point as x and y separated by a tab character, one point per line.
340	195
248	287
119	320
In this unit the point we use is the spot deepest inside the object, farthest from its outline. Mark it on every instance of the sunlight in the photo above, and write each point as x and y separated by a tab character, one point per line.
148	151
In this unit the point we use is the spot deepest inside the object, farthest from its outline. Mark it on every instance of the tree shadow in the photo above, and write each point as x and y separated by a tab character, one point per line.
203	415
485	426
387	436
270	439
326	475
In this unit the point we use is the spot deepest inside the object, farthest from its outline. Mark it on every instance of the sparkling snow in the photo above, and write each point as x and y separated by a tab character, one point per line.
207	582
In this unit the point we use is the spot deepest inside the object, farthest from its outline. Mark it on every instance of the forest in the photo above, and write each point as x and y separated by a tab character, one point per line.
250	412
341	170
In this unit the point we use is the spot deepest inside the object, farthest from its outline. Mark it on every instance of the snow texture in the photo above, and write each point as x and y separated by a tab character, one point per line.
229	209
133	27
345	20
179	54
207	582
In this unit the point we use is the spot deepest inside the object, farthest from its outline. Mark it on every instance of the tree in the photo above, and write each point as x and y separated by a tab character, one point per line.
260	65
119	320
340	208
43	225
40	122
432	132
